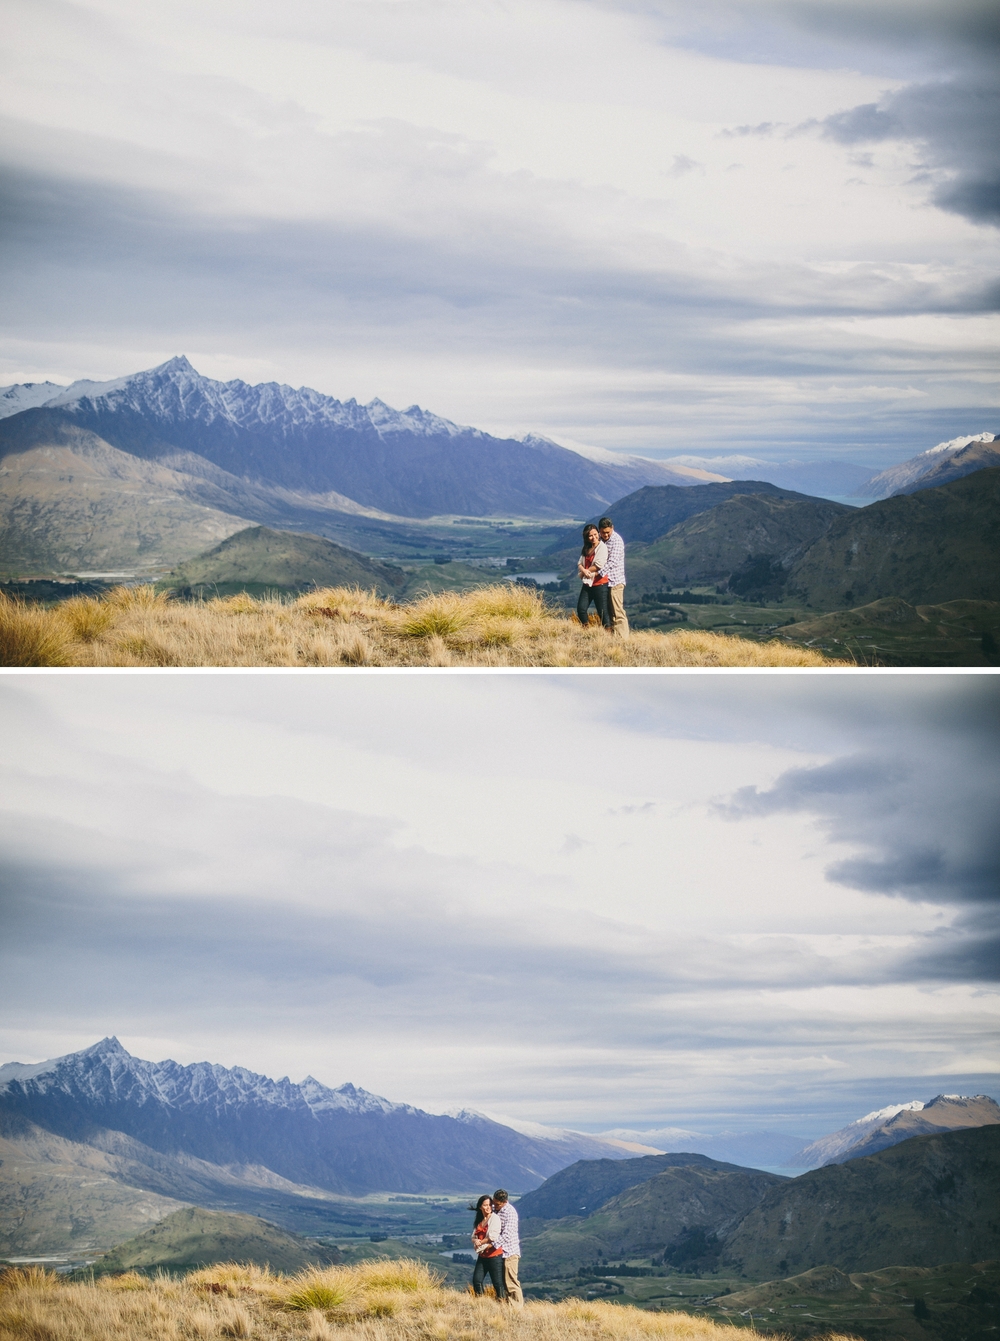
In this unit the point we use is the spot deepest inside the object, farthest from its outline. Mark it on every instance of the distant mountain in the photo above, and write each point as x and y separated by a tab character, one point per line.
936	545
584	1187
754	1149
904	477
651	511
408	463
887	1127
343	1140
193	1237
259	559
980	454
750	543
825	478
678	1215
928	1200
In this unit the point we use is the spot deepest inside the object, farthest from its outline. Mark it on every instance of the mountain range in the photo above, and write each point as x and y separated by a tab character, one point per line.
230	1121
227	453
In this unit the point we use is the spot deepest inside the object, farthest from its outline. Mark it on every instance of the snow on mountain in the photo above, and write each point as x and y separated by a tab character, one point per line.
897	478
898	1122
26	396
109	1073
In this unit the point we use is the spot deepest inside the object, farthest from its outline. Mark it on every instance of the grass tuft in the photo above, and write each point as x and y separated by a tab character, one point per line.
29	636
137	598
85	617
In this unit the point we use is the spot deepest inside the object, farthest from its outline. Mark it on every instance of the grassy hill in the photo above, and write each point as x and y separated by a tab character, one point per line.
891	632
936	545
259	560
927	1200
727	542
954	1302
193	1237
678	1212
584	1187
490	626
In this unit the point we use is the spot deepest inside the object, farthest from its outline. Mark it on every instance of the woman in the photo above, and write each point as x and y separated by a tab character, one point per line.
593	558
489	1258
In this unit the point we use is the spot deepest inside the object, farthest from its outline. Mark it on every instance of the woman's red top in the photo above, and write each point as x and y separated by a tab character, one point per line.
598	581
479	1234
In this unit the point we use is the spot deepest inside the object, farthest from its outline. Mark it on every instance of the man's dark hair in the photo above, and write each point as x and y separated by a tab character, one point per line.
500	1196
605	521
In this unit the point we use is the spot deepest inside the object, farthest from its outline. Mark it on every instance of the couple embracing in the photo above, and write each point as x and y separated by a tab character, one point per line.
602	571
498	1248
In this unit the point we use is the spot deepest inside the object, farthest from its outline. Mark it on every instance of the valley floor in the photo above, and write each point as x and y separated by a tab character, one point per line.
377	1301
501	625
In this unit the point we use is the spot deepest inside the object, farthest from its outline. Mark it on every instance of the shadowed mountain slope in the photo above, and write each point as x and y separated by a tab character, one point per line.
909	475
680	1211
749	542
928	547
653	510
976	456
584	1187
929	1199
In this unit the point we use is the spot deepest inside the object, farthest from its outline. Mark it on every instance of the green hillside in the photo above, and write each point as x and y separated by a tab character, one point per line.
928	547
954	1302
928	1200
678	1212
195	1237
728	541
258	559
584	1187
891	632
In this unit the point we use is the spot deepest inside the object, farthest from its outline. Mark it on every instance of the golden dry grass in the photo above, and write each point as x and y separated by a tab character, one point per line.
500	625
372	1301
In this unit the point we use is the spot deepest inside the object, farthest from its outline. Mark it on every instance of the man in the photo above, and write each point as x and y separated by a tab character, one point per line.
614	571
510	1245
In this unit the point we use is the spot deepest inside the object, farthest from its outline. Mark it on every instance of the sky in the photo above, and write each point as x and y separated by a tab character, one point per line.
719	901
764	226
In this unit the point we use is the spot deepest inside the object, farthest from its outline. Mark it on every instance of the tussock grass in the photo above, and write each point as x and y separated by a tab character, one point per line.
371	1301
30	637
501	625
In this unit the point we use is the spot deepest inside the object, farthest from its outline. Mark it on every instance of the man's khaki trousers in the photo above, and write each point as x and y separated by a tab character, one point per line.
618	610
514	1296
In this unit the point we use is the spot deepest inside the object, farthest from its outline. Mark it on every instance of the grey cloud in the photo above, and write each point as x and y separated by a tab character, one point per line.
927	826
956	125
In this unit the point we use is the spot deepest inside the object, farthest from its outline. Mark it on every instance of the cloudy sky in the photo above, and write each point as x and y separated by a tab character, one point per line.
753	225
624	900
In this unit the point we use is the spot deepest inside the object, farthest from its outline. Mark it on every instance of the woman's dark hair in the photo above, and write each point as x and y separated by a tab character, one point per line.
478	1208
586	537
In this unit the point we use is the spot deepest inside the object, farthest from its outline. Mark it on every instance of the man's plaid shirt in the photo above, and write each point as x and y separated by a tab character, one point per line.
508	1240
614	569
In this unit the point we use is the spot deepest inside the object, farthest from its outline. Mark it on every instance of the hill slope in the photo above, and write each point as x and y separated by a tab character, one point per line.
259	558
750	542
678	1212
651	511
928	1200
929	547
981	454
584	1187
193	1237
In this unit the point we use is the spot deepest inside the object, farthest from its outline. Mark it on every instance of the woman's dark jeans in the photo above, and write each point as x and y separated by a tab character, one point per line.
601	596
492	1266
